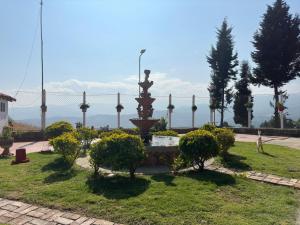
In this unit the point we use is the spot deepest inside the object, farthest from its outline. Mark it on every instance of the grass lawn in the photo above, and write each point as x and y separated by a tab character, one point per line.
277	160
208	198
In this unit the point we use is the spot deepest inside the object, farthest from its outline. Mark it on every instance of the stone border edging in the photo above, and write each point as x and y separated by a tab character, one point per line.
19	213
258	176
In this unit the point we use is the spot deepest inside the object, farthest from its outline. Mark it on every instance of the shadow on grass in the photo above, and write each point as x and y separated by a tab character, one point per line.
57	165
220	179
268	154
61	169
60	176
235	162
117	187
166	178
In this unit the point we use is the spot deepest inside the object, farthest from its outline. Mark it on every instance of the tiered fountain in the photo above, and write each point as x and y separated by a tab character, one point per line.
145	109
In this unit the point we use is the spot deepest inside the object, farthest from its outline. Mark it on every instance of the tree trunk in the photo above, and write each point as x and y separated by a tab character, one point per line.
5	152
131	172
222	108
276	113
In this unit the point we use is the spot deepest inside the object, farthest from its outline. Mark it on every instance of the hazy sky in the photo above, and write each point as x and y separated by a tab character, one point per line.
94	45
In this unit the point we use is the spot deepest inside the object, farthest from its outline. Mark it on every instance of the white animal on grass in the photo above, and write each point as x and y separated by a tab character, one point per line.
259	144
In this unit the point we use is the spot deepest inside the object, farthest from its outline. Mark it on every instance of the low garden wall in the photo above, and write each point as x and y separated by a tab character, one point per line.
28	136
160	155
269	131
244	130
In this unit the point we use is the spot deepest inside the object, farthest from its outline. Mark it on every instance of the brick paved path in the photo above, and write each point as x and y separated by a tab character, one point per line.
19	213
253	175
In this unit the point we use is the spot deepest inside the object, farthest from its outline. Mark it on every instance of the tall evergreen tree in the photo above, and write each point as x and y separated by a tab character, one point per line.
277	50
241	97
222	61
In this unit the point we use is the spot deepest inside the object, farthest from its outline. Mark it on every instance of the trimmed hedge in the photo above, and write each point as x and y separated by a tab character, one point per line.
171	133
198	146
118	151
58	128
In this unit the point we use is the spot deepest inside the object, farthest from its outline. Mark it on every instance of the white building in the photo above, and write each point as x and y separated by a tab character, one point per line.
4	99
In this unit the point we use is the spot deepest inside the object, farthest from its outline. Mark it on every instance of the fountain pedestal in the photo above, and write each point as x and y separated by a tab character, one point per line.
145	109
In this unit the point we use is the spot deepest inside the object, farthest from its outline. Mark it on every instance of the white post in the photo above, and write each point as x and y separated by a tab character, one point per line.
193	112
281	112
84	110
119	112
249	112
212	112
44	109
170	112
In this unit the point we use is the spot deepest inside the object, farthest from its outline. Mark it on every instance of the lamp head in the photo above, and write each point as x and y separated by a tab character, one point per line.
143	51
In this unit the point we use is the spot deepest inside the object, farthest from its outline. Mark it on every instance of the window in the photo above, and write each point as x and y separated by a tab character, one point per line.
2	107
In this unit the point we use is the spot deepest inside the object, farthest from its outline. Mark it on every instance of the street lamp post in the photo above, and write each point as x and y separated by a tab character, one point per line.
141	53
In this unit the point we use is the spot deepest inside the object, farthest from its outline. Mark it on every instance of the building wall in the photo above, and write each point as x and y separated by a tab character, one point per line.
3	115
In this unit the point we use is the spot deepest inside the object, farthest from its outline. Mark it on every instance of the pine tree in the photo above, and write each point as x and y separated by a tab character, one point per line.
277	50
222	61
241	97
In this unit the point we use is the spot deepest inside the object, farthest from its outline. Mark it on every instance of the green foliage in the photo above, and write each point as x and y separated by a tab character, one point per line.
179	163
161	125
171	133
58	128
198	146
208	127
225	138
277	48
241	97
104	134
6	133
118	151
222	61
87	135
68	146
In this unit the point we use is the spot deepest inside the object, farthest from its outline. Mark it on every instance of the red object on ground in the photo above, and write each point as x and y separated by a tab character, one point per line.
20	156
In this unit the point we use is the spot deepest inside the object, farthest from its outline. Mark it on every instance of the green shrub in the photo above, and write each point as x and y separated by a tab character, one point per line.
160	125
104	134
118	151
208	127
68	146
179	163
225	139
86	136
198	146
166	133
58	128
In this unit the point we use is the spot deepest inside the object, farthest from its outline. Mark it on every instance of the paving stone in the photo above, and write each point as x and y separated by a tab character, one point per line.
18	204
49	214
12	214
81	219
5	219
51	223
88	222
55	215
294	180
22	208
3	211
103	222
71	216
37	221
35	214
297	185
4	202
62	220
27	210
9	207
21	220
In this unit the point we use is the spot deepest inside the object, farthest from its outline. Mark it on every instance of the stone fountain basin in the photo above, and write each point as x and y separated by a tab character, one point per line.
162	151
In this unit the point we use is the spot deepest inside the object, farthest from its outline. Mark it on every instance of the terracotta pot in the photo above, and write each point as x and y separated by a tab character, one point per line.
6	143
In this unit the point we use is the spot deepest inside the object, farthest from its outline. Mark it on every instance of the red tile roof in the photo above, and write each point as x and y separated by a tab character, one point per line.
7	97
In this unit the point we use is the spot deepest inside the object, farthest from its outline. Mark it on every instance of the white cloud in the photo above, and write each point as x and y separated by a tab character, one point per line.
70	91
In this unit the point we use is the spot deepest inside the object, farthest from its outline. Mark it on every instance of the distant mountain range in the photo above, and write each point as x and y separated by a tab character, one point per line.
181	117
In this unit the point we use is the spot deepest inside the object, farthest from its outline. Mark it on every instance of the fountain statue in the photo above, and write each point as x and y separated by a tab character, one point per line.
145	110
